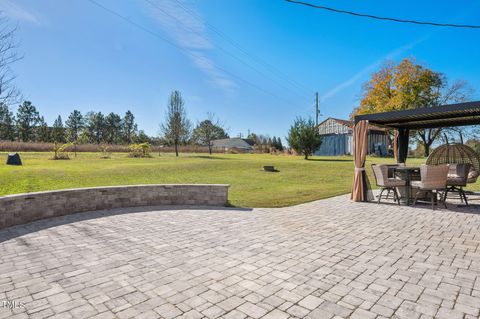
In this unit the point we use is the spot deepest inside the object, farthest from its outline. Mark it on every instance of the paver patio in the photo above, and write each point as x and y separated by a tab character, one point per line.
325	259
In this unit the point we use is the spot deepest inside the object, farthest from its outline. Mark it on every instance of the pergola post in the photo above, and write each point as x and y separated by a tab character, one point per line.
402	144
360	188
395	145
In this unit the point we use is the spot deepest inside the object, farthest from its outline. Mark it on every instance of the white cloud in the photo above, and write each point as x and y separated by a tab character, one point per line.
15	12
369	68
188	30
215	75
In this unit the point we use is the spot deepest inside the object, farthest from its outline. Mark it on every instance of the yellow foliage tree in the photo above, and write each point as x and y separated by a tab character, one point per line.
408	85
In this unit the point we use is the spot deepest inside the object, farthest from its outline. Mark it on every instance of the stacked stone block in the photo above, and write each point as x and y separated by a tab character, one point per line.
24	208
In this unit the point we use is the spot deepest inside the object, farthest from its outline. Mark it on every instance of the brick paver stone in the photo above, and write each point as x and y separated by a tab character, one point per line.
327	259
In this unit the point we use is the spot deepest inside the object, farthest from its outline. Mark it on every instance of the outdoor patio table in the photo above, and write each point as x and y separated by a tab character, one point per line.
405	173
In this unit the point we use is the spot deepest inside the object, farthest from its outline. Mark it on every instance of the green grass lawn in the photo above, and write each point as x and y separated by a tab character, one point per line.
297	182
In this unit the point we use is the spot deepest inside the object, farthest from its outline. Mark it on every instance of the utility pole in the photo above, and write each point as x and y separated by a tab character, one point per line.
317	112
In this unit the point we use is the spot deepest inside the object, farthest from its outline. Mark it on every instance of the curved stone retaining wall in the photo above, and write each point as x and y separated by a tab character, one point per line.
24	208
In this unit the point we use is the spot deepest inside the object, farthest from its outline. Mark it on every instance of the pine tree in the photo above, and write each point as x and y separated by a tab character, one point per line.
304	137
113	128
74	126
95	127
7	123
58	131
142	137
279	144
27	120
129	128
42	131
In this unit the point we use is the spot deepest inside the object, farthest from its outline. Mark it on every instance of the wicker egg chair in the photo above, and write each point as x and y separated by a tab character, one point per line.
457	154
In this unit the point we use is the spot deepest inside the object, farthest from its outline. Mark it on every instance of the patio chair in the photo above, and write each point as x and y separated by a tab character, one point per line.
472	176
385	183
457	179
457	154
433	178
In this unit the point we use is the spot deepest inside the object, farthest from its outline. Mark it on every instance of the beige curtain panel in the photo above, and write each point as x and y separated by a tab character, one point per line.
395	146
360	188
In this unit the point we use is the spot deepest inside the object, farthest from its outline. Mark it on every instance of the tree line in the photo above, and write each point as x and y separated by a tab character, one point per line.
27	125
265	143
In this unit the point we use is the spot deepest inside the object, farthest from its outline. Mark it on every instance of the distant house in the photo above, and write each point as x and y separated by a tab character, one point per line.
337	138
234	144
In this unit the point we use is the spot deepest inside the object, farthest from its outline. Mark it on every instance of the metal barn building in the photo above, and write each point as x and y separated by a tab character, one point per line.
337	138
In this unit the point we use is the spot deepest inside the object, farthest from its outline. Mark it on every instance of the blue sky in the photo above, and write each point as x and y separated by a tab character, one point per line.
255	64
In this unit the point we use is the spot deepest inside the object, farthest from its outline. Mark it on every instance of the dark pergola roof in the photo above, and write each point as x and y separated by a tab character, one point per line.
460	114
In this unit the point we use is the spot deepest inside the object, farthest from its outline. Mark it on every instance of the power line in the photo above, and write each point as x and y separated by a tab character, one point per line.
384	18
234	43
186	52
222	49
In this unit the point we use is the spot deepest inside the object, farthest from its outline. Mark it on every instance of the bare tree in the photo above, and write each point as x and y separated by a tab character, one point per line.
460	134
176	128
460	91
9	93
443	93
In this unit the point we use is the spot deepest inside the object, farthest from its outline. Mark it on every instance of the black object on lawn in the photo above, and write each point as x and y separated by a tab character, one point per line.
14	159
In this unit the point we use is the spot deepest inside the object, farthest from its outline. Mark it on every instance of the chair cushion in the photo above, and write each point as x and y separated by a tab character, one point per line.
452	169
416	184
472	176
395	182
472	180
456	181
421	185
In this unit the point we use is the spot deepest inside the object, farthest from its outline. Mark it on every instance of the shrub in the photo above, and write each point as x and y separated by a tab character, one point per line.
105	151
60	152
140	150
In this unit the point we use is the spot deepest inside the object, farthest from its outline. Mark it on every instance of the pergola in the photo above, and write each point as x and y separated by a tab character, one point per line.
402	122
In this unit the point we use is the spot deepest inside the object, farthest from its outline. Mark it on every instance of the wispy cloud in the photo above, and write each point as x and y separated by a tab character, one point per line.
15	12
369	68
189	31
